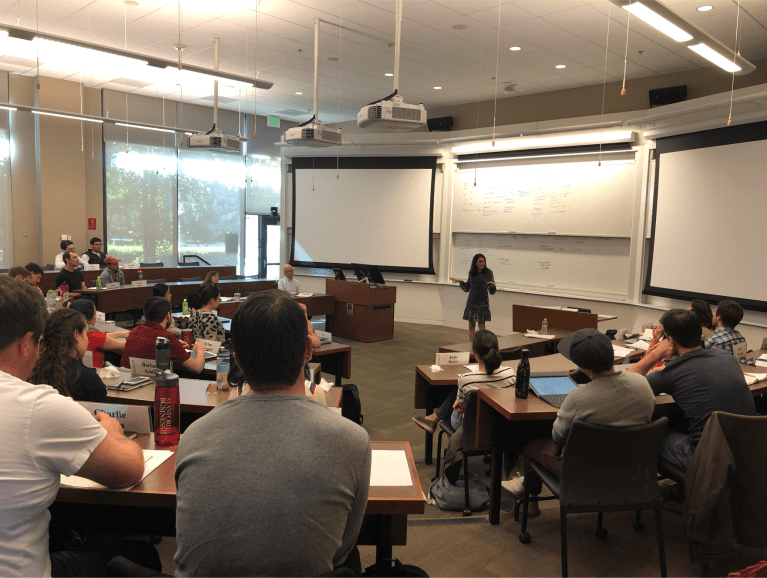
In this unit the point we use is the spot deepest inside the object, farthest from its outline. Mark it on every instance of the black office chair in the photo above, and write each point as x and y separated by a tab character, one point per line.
47	267
191	264
603	469
190	279
145	265
469	446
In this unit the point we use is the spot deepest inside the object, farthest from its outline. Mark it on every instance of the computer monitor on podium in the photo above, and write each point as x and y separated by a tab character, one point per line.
368	274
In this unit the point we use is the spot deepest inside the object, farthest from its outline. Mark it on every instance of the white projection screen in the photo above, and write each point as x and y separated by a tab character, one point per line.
710	217
372	210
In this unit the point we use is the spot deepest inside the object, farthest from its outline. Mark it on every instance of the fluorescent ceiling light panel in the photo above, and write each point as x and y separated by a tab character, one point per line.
713	56
7	108
54	51
547	156
657	21
67	116
546	141
144	127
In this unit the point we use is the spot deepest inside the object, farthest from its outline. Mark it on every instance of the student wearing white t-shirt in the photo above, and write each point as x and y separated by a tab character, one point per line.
43	435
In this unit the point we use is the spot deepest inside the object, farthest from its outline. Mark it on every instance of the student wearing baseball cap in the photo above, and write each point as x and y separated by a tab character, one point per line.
612	397
112	272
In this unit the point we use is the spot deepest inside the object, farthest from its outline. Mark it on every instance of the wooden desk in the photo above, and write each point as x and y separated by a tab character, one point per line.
526	318
432	387
168	273
150	507
537	347
196	395
317	304
362	313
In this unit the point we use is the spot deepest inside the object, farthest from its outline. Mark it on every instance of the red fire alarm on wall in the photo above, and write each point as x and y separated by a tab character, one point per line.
92	224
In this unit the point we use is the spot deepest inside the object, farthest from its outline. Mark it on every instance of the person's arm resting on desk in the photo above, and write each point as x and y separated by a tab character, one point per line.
664	350
117	461
193	364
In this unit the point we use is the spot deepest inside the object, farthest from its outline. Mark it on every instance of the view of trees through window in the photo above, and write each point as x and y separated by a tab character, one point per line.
162	205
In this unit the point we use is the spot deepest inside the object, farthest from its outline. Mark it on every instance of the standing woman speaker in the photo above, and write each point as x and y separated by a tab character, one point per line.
478	285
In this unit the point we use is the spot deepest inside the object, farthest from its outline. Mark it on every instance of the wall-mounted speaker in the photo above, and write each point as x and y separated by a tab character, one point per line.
441	123
668	95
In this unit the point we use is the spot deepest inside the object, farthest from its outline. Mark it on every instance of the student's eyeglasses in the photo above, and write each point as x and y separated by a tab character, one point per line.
745	361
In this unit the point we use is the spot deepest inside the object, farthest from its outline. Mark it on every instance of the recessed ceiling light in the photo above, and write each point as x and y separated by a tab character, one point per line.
130	2
515	48
389	74
560	66
437	88
299	93
704	8
459	26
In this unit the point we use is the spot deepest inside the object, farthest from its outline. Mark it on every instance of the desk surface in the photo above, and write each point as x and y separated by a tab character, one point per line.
158	489
507	342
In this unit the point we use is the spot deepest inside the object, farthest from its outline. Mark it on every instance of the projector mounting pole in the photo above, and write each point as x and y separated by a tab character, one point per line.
215	83
397	35
316	67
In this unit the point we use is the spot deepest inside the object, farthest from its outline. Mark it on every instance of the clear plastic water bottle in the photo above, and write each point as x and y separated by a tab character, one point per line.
185	308
162	354
167	410
222	369
545	327
523	375
50	300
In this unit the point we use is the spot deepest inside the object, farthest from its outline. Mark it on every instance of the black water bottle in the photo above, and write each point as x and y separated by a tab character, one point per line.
162	354
523	375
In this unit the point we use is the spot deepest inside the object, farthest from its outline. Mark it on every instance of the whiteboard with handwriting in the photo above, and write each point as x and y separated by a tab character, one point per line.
583	266
561	198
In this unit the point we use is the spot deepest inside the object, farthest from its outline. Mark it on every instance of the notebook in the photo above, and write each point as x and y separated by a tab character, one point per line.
552	388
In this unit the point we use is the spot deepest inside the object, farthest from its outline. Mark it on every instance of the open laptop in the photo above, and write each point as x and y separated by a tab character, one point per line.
552	387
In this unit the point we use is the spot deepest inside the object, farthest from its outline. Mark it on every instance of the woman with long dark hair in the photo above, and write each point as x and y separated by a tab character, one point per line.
62	347
479	283
211	280
203	321
703	310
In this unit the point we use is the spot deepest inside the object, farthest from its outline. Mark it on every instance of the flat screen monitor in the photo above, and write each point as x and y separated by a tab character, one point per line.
369	272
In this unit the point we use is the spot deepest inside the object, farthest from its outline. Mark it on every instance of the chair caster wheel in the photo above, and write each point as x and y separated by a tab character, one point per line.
524	537
467	512
601	533
638	525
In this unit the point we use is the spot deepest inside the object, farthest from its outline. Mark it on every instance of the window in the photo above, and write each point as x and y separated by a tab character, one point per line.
6	225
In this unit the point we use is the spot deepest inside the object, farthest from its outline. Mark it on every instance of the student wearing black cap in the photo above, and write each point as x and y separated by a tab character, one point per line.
613	398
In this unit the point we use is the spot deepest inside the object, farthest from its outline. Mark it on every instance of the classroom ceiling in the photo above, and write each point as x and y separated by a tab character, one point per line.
453	44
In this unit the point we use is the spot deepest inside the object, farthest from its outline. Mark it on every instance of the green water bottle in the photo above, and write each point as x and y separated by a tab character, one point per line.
185	308
98	284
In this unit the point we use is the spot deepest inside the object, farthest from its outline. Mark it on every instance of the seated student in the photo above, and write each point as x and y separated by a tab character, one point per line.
728	314
94	256
58	262
703	311
700	380
141	340
103	345
203	321
611	398
35	275
64	343
19	273
112	272
162	290
69	275
302	497
287	283
211	280
44	436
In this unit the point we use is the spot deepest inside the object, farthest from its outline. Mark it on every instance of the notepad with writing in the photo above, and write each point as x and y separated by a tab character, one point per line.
152	460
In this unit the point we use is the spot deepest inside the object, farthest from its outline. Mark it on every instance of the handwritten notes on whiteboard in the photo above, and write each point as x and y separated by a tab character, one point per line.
564	198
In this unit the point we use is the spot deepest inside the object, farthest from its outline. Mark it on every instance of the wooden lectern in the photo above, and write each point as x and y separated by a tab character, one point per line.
362	312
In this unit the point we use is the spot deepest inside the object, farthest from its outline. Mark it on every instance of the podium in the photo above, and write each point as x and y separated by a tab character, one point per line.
362	313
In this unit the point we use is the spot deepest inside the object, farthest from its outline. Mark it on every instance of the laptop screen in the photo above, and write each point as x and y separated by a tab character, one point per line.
552	385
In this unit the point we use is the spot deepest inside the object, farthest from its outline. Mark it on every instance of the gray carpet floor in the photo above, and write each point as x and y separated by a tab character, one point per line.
446	543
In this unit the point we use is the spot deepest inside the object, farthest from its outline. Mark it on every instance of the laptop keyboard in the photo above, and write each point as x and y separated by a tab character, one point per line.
556	400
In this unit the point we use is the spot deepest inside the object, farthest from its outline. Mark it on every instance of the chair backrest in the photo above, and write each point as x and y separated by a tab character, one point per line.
470	422
190	279
227	277
611	465
190	264
155	281
160	264
47	267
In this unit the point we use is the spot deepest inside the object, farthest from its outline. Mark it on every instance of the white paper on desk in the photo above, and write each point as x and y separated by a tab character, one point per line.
304	294
643	345
390	469
226	299
752	378
152	460
761	363
538	335
472	367
622	351
647	334
762	357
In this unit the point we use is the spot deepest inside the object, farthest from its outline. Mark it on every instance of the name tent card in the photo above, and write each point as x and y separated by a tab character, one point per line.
114	285
91	267
140	366
130	266
101	317
210	345
141	283
453	358
131	417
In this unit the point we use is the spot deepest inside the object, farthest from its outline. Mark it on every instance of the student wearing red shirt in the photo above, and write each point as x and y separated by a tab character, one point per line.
141	340
99	342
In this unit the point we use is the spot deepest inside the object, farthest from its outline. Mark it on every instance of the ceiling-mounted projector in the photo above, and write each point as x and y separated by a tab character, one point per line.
214	140
313	134
392	115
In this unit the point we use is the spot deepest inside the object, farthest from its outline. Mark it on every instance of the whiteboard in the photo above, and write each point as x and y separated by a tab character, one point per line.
562	198
594	266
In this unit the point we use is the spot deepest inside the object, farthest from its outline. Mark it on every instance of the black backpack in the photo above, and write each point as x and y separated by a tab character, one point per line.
350	403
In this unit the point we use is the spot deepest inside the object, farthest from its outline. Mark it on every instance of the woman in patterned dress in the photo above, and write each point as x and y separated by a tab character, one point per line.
479	283
203	321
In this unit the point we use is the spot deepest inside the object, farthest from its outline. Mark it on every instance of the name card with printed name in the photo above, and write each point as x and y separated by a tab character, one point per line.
130	265
452	358
324	335
140	366
91	267
115	285
131	417
101	317
141	283
210	345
